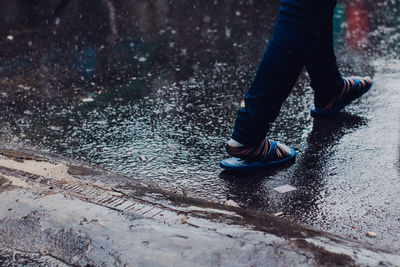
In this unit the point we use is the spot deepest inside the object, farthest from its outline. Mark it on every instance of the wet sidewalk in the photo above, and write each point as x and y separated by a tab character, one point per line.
150	90
58	212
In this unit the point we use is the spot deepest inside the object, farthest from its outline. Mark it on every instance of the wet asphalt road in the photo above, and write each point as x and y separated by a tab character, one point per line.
151	90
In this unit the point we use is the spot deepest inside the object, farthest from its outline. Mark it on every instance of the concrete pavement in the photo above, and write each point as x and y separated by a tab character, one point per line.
55	211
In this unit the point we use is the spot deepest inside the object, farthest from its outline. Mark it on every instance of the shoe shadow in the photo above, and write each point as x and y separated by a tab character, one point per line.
326	131
325	134
307	174
312	168
256	174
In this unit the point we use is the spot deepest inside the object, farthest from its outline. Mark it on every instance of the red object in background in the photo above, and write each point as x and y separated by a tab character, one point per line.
357	25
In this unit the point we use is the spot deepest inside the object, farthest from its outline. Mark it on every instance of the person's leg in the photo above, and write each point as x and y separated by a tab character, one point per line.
321	65
331	91
276	75
297	28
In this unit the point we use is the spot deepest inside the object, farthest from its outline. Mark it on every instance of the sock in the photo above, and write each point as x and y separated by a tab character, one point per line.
234	143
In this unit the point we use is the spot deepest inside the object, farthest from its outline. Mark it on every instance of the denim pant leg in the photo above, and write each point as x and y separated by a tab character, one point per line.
321	65
282	62
303	26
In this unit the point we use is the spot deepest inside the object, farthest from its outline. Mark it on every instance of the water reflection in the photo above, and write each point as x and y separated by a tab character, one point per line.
313	168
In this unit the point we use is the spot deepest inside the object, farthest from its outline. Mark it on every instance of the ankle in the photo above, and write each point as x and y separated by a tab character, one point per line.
248	152
234	143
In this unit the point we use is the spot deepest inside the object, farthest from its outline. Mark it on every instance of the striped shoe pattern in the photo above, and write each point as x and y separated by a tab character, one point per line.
353	88
258	152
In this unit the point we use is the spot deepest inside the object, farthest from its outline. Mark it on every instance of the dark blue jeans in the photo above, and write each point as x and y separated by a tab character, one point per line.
302	37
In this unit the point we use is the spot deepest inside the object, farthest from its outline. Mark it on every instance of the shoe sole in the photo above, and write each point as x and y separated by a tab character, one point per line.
335	110
240	165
